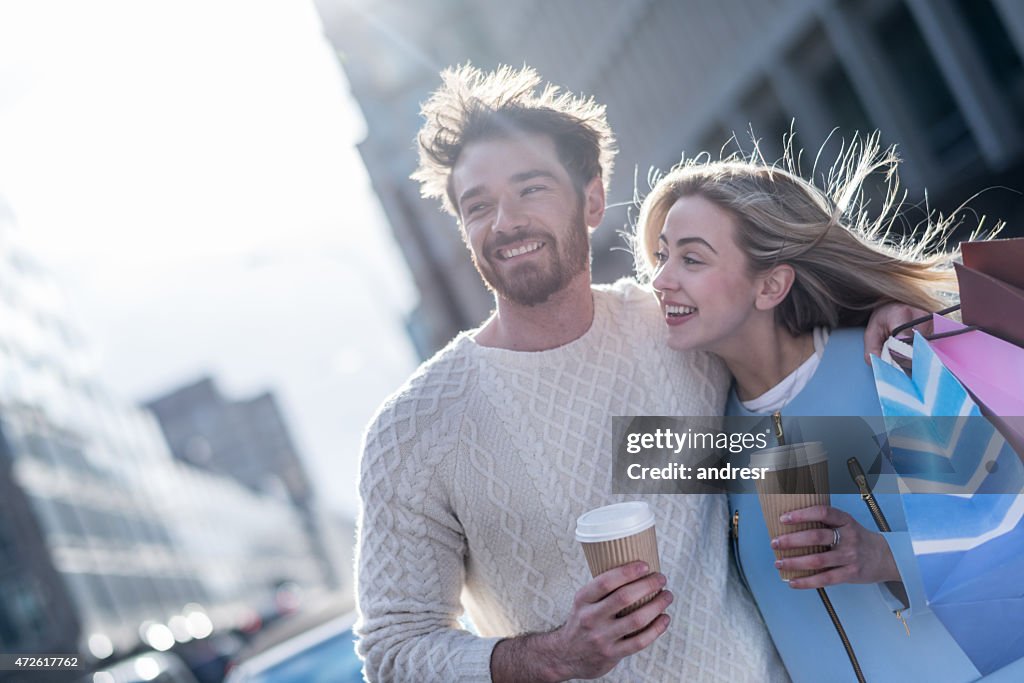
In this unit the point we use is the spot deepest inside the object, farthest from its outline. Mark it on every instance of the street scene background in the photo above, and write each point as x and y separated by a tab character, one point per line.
213	265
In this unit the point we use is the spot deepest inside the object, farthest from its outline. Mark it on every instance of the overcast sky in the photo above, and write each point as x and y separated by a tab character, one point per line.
187	171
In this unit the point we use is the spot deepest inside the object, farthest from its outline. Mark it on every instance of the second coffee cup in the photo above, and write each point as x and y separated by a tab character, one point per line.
796	477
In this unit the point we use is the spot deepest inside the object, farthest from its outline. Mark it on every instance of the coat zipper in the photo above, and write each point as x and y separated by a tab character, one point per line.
735	535
876	513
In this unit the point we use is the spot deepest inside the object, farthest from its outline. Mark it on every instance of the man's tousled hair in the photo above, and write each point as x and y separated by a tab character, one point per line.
476	105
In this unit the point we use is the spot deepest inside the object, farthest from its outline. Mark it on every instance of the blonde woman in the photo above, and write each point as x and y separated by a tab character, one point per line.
755	264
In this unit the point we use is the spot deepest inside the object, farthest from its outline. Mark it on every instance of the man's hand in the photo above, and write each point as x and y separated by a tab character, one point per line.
884	320
593	639
861	556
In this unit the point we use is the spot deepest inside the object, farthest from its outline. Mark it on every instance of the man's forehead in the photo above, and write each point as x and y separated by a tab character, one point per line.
500	159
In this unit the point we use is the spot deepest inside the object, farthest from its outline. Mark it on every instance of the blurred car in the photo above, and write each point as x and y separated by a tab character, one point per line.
208	658
149	667
323	654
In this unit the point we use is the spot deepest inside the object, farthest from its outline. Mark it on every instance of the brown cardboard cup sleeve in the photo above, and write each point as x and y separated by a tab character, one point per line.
618	534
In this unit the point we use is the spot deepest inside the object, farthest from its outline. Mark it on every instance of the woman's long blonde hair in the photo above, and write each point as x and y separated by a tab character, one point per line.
846	263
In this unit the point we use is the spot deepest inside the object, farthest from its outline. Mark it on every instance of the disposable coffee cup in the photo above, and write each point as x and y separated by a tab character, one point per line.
796	476
618	534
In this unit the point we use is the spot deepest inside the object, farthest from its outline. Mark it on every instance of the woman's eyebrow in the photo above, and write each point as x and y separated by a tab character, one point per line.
683	241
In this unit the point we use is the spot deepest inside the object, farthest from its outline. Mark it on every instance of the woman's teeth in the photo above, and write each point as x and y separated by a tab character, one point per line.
680	310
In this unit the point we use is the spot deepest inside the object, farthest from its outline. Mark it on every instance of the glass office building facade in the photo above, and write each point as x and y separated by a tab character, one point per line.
102	531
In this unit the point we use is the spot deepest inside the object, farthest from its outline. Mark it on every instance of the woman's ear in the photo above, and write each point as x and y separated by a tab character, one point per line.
774	287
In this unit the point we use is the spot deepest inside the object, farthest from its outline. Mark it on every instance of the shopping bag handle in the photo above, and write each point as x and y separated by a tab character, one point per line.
952	333
926	318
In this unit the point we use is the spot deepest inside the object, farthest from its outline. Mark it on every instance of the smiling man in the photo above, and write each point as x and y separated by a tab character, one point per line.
474	473
522	263
527	225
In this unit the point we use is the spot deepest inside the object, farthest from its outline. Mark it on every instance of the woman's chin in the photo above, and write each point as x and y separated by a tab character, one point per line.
678	342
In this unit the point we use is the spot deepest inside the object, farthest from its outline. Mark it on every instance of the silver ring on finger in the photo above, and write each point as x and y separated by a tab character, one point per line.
835	536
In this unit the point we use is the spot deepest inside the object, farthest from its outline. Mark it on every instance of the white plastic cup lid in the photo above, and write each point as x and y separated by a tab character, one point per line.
614	521
790	456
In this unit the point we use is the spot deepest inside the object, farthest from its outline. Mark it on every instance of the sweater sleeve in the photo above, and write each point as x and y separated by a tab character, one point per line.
410	562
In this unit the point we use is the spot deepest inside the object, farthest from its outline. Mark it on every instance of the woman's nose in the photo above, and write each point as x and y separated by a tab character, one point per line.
663	280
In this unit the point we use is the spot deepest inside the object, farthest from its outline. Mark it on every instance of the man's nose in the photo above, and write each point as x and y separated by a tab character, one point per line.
508	218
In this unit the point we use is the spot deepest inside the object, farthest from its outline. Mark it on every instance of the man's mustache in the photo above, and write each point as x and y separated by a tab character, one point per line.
503	241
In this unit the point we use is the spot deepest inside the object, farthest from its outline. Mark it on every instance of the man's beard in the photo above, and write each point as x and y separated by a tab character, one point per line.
531	284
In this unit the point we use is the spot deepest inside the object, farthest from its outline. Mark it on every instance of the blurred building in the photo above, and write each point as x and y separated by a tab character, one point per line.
942	79
247	440
106	539
392	53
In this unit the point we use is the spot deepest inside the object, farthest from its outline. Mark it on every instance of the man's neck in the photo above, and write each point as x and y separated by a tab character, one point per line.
562	319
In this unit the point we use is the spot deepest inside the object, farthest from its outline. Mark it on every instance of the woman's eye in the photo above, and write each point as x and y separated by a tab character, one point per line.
660	257
691	261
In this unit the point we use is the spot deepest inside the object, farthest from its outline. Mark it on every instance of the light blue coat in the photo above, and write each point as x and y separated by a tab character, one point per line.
843	385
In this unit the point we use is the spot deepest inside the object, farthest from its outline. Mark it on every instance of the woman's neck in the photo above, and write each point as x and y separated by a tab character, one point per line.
763	361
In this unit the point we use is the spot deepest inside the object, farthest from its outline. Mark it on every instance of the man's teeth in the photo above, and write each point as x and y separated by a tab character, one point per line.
680	310
525	249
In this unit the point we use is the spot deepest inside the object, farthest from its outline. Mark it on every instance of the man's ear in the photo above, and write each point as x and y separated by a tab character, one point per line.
774	287
593	202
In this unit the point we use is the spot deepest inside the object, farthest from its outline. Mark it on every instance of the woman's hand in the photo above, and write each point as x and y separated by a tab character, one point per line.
861	556
883	321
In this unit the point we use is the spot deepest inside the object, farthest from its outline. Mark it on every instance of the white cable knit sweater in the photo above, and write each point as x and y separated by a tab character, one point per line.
473	475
